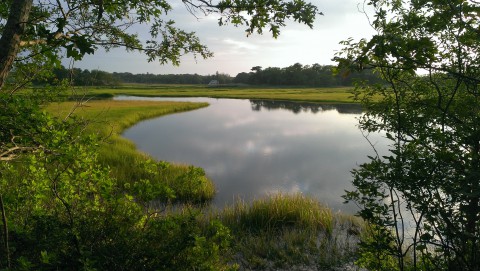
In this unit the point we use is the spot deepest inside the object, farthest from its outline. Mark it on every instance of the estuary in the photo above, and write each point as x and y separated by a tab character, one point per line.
252	148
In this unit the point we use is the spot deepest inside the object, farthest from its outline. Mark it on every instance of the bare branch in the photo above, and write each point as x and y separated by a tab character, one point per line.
12	153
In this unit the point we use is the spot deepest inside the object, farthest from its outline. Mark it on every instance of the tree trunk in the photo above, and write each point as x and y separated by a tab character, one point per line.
5	231
11	36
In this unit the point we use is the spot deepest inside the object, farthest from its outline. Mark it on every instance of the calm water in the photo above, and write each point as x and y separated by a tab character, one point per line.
253	148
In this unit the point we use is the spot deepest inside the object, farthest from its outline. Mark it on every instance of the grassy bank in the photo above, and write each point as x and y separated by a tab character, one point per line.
326	95
109	118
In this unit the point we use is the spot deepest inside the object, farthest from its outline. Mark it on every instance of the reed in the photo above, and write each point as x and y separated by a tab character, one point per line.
286	232
278	211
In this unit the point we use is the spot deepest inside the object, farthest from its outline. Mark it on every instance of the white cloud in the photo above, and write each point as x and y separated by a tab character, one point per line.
240	44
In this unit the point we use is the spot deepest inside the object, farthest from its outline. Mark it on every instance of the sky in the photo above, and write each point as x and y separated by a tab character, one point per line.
234	52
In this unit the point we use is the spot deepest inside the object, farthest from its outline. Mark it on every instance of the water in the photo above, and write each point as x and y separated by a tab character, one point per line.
254	148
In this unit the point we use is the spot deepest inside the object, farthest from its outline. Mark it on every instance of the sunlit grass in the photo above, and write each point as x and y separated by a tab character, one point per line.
109	118
112	117
330	95
286	231
278	211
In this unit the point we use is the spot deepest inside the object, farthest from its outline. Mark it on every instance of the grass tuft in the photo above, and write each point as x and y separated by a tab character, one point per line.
277	212
285	232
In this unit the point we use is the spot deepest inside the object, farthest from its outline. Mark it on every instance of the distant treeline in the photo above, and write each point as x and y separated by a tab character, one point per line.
81	77
315	75
296	75
149	78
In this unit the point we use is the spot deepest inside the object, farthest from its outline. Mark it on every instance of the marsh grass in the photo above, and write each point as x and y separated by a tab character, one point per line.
325	95
108	119
289	232
276	212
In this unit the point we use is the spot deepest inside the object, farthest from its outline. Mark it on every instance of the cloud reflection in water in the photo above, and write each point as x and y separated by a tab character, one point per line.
252	148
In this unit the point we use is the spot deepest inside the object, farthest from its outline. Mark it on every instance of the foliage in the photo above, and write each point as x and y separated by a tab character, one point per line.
181	242
61	209
303	75
86	77
296	75
422	199
165	183
79	77
13	122
150	78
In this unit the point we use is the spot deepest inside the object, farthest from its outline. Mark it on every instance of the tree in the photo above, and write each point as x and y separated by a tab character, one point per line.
293	74
256	76
242	78
422	198
272	76
43	27
60	208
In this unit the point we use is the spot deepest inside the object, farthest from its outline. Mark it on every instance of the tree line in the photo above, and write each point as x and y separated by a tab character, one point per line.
95	77
315	75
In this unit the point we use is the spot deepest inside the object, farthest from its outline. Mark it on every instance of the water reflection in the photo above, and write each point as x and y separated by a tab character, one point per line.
297	107
249	153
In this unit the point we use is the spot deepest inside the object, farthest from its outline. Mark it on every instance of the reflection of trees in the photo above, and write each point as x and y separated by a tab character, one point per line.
297	107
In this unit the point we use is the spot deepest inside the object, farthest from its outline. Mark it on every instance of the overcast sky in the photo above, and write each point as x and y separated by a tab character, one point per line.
234	52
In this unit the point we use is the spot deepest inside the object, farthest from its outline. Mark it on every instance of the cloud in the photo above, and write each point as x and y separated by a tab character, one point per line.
240	44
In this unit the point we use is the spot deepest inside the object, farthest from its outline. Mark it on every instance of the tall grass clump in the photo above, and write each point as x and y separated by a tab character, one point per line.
278	212
285	232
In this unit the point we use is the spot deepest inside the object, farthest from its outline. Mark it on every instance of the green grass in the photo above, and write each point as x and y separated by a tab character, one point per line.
330	95
289	231
109	118
278	212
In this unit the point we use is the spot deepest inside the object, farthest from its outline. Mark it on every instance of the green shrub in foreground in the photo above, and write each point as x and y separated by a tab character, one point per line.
63	210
